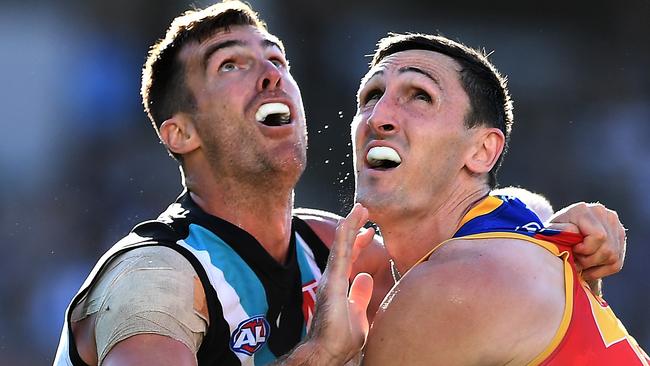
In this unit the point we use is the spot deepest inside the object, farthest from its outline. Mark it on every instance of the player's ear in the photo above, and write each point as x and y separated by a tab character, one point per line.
179	134
488	145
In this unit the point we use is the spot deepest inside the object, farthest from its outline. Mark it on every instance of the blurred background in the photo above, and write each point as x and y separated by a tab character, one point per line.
80	164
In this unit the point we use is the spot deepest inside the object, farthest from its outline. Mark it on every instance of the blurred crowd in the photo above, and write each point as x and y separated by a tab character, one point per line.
81	165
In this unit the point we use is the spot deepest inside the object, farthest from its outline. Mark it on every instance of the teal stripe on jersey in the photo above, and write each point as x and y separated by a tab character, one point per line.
236	272
264	356
238	275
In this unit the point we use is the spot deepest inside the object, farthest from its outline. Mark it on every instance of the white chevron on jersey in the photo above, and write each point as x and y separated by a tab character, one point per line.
310	255
233	312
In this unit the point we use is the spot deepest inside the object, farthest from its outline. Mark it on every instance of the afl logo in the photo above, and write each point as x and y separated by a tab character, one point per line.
250	335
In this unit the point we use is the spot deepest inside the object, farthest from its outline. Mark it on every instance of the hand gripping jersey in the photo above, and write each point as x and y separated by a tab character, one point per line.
258	309
590	333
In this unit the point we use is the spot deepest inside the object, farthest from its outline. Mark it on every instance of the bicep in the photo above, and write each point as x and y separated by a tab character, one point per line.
150	349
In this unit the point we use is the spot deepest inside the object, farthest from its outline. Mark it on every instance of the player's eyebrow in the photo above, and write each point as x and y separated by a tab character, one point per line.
378	72
421	72
367	78
219	46
266	43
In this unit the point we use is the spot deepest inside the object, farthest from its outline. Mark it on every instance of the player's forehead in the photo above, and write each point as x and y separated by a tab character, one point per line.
234	37
441	67
245	33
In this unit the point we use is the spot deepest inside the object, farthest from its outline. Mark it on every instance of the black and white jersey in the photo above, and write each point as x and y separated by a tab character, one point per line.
259	309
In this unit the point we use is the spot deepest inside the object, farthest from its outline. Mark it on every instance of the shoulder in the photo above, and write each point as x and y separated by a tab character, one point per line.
323	223
503	275
151	278
373	259
472	295
142	264
151	261
145	290
154	256
468	272
494	261
316	214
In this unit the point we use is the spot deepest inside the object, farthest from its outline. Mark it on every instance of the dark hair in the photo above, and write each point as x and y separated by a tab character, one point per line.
490	102
164	91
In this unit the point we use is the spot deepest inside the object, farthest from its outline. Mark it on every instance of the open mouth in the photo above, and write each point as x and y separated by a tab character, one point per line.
273	114
383	158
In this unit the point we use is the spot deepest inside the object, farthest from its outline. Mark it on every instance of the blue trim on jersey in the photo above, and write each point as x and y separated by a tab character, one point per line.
511	216
238	275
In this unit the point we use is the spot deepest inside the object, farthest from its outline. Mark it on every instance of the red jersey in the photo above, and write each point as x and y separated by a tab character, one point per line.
590	333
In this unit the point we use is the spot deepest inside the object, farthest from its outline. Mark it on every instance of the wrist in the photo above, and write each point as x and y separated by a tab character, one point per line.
311	353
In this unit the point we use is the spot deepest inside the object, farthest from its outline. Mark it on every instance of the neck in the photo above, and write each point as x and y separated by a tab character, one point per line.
410	236
262	211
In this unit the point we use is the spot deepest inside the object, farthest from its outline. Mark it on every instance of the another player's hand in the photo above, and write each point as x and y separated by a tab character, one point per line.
602	252
340	325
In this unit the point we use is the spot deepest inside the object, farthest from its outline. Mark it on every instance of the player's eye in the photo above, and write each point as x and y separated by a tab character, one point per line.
278	62
228	66
422	95
371	97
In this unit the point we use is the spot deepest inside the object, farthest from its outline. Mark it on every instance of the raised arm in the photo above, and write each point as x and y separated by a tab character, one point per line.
602	252
340	324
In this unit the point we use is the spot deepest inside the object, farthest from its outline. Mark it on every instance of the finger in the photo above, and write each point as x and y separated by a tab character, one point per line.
588	247
597	272
364	238
595	239
608	248
359	298
347	230
361	291
570	213
580	248
354	221
604	257
340	259
585	216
